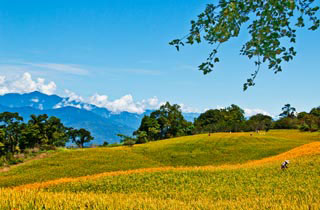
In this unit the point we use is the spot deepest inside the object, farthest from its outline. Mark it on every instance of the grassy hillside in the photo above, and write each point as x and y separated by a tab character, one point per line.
256	184
198	150
223	148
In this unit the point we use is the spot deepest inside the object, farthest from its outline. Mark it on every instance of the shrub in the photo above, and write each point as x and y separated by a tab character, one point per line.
48	147
14	161
129	143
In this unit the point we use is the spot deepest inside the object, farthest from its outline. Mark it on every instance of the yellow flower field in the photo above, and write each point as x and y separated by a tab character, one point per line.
253	184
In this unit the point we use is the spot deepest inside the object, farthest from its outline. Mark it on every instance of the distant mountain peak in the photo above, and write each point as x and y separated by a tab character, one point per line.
104	124
34	99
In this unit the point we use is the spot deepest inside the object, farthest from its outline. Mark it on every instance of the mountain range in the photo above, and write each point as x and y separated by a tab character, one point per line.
101	122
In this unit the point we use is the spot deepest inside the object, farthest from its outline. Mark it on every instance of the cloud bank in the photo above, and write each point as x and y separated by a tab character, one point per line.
250	112
25	84
125	103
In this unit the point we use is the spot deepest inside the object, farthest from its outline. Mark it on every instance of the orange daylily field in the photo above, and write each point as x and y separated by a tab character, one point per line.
244	174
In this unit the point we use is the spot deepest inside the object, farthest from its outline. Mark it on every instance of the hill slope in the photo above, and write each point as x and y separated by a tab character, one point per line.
256	184
199	150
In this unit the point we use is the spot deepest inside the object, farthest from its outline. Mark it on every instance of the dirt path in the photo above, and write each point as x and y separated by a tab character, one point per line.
40	156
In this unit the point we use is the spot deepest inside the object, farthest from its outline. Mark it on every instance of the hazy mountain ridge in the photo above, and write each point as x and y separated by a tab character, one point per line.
102	129
101	122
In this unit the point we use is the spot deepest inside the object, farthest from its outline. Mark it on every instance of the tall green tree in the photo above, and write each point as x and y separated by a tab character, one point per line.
38	124
2	148
166	122
309	121
170	120
259	122
288	111
29	137
272	26
44	131
209	121
315	111
234	118
11	130
79	137
56	132
220	120
149	130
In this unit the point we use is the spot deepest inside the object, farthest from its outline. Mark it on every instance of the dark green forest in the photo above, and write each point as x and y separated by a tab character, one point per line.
41	132
45	133
168	122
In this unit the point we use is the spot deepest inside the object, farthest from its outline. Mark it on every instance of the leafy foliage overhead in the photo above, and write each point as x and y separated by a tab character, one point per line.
271	25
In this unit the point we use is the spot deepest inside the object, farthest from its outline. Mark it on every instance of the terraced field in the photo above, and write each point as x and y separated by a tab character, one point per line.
227	171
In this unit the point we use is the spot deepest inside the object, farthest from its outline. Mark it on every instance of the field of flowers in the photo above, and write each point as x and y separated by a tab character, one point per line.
198	150
224	148
257	183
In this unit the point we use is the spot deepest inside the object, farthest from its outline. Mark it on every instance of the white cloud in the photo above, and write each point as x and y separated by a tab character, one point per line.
125	103
87	107
25	84
150	103
71	99
250	112
2	79
99	100
188	109
65	103
153	101
72	96
70	69
35	100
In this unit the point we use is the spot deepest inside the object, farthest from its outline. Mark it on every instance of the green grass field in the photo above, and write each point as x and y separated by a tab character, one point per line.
300	183
197	172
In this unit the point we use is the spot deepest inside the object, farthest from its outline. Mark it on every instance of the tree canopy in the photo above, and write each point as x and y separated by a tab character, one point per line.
166	122
288	111
272	26
41	132
220	120
79	136
10	127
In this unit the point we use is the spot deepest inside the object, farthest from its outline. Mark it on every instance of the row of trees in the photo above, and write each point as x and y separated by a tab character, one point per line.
39	132
220	120
168	122
304	121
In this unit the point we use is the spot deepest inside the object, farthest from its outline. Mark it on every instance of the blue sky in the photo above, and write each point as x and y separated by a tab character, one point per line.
110	49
